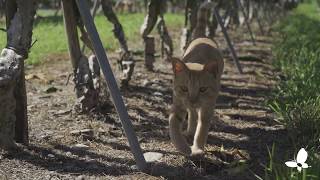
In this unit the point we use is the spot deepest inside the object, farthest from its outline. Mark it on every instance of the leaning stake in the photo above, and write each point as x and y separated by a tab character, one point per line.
246	21
226	36
112	85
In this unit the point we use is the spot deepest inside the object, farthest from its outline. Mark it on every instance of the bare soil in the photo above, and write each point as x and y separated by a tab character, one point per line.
237	143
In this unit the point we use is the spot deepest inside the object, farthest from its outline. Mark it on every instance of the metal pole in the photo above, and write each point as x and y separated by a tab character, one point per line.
112	85
246	21
226	36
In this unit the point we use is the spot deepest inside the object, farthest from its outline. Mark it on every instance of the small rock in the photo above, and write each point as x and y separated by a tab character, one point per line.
81	146
152	156
157	94
156	81
154	85
87	132
102	131
62	112
134	167
51	156
226	117
75	132
112	140
69	154
31	76
145	83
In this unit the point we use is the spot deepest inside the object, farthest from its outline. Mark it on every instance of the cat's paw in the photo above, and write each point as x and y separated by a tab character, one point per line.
197	152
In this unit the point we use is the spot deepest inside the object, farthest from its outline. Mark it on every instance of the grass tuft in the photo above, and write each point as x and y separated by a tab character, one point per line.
296	100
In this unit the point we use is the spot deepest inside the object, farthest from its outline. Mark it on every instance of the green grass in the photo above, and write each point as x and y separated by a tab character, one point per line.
51	39
298	57
296	100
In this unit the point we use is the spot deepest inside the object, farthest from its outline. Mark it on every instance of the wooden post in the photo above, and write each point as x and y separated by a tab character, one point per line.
11	9
70	22
21	12
21	125
149	52
112	85
93	12
87	95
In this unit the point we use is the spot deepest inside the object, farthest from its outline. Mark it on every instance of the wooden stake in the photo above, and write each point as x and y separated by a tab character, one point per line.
70	22
19	14
226	36
246	21
21	125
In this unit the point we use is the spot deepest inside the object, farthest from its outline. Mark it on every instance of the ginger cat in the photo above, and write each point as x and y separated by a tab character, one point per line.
196	85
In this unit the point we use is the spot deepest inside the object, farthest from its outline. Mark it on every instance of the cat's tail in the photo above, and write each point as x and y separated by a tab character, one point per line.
202	19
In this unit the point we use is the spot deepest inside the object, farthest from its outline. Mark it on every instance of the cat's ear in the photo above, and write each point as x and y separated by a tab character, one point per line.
178	66
212	67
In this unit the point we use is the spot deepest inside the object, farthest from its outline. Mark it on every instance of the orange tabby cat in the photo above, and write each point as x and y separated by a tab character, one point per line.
196	85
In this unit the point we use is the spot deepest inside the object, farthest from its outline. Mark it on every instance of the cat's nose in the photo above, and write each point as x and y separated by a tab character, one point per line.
193	100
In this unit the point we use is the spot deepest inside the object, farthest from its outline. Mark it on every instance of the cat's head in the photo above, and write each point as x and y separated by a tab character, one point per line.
196	84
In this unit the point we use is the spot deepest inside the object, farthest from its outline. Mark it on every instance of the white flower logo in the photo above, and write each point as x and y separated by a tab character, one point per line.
300	161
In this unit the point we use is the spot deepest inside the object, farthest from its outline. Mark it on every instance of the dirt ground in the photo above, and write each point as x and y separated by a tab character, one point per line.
237	143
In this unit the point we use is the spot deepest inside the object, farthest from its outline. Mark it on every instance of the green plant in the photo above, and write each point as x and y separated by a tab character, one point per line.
51	39
296	100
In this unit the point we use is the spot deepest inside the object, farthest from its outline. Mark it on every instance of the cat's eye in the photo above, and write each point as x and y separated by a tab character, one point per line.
203	89
184	89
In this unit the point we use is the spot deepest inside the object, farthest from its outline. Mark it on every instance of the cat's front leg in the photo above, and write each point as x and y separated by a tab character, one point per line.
176	118
201	135
192	123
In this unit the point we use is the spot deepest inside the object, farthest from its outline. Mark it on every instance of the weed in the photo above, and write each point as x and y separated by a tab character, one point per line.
296	100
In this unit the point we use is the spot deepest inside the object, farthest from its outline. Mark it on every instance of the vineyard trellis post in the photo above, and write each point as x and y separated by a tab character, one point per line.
112	85
227	38
246	20
13	98
126	62
155	10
